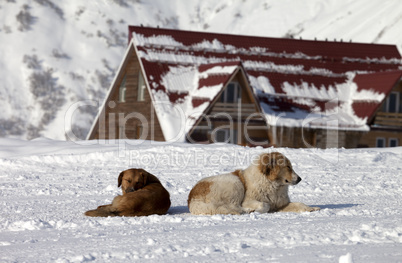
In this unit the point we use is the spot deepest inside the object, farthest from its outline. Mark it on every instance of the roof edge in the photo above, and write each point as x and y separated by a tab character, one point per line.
131	29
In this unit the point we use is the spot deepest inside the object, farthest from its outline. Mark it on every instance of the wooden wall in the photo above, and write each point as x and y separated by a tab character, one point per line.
132	116
369	139
256	129
385	125
294	137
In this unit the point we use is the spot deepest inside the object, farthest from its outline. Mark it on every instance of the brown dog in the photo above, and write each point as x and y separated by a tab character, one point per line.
143	195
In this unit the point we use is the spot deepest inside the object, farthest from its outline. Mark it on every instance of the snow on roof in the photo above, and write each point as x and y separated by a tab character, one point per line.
298	82
182	93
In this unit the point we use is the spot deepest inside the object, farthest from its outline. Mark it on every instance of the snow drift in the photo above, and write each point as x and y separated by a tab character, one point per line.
46	185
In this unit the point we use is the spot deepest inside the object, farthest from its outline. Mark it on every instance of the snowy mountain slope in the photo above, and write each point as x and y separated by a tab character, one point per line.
45	186
54	54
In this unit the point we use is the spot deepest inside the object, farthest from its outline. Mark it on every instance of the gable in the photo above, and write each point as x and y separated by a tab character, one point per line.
97	131
182	93
233	115
131	117
376	83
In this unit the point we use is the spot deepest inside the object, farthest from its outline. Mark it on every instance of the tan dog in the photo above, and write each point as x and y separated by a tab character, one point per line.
262	187
143	195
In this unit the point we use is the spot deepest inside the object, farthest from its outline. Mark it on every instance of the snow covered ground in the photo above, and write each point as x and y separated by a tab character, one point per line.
66	52
46	185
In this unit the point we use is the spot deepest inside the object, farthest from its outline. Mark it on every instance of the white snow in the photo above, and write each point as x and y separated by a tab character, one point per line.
46	185
346	258
225	70
180	79
344	94
159	41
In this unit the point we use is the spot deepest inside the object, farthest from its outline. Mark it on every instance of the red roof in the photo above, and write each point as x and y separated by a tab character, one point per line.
325	49
292	78
379	82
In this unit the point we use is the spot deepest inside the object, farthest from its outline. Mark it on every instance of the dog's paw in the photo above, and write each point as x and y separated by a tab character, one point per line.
255	206
264	208
247	210
312	209
298	208
306	208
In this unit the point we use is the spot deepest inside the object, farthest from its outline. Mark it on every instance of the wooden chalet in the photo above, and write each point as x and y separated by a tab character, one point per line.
201	87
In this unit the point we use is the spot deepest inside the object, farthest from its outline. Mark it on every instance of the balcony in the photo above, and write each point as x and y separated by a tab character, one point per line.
390	119
236	111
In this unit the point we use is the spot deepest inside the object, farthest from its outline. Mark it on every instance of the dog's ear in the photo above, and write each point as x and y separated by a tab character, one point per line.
120	179
148	178
145	177
267	163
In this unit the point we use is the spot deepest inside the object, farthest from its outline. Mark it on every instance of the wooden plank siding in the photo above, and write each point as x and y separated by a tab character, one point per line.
388	119
131	115
244	118
369	139
296	137
242	111
385	125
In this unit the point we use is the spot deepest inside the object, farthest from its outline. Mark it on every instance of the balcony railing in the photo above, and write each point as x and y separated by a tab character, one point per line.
235	110
388	119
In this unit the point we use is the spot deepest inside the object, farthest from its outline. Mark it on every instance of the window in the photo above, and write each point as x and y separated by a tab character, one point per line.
139	131
141	87
393	142
380	142
225	135
392	103
122	90
234	137
232	93
222	135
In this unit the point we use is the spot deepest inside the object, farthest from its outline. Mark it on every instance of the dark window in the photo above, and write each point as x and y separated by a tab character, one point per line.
226	135
122	90
222	136
392	106
141	87
139	132
232	93
392	103
393	142
380	142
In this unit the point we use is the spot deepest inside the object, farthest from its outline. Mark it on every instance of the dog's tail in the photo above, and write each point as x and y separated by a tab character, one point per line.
100	212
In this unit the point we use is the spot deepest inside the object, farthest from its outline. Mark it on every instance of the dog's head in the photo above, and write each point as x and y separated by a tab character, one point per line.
277	168
134	179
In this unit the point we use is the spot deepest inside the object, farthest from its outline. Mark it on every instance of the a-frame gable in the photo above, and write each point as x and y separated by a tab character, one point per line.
246	111
95	129
377	114
133	115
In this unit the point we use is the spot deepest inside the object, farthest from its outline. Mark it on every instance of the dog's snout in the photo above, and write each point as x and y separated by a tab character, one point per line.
130	189
298	179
